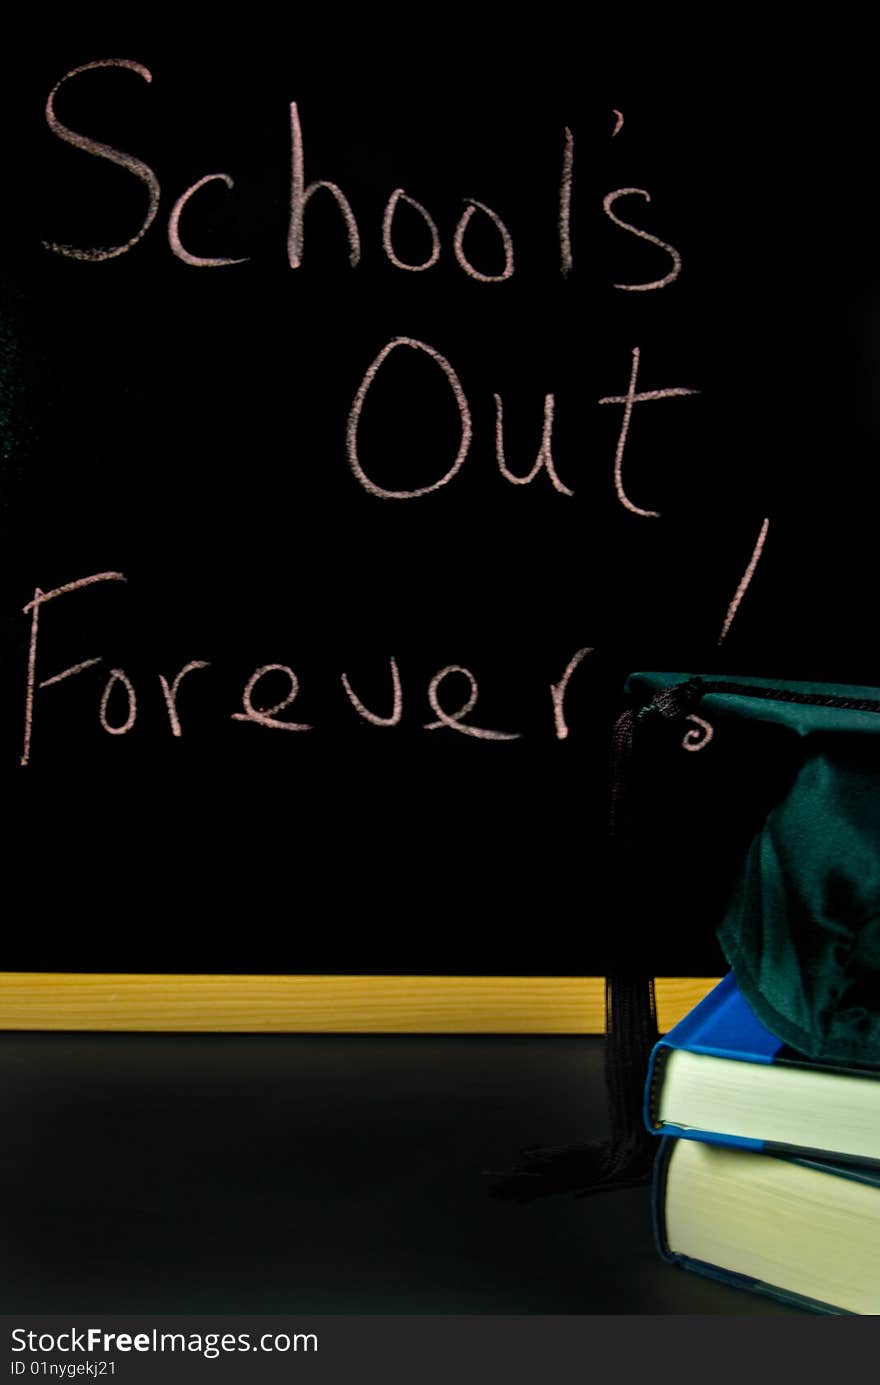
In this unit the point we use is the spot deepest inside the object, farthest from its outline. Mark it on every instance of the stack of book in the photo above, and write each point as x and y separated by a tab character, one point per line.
768	1176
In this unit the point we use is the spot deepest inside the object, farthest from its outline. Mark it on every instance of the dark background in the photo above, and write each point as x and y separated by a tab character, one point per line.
187	428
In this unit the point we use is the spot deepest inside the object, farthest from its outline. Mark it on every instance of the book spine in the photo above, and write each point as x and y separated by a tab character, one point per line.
658	1199
755	1286
730	1278
654	1082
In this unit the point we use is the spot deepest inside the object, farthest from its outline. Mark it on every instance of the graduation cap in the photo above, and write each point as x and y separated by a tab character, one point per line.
751	807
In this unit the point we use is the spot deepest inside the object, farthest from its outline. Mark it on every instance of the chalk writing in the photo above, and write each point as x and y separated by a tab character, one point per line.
544	458
397	196
104	151
506	242
355	414
301	195
744	583
455	720
411	242
118	677
372	717
672	275
200	261
558	691
565	253
628	400
699	735
40	599
545	453
268	716
170	692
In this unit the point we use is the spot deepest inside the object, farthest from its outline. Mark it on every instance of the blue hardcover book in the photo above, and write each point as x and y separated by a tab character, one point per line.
797	1230
720	1076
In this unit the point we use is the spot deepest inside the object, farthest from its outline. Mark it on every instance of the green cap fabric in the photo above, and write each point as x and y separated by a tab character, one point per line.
801	927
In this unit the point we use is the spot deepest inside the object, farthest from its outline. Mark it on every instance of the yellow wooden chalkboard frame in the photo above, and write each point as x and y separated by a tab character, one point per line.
323	1004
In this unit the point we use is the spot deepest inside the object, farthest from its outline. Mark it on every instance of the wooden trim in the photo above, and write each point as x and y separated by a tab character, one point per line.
323	1004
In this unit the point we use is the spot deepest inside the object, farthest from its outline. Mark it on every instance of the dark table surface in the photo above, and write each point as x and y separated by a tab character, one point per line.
313	1174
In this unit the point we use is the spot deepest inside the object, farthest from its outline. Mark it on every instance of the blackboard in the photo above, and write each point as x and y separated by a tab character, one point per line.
278	363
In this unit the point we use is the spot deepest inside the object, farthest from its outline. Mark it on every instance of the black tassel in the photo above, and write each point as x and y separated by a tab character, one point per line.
624	1160
631	1033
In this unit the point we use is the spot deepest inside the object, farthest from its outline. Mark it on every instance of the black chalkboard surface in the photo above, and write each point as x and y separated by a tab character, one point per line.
373	403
